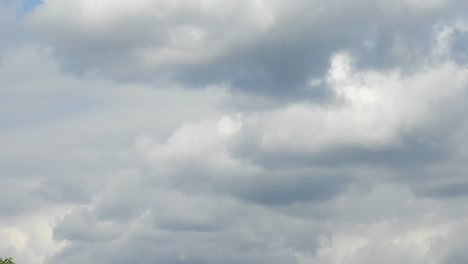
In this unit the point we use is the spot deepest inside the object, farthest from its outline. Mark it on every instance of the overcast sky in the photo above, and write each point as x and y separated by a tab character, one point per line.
234	131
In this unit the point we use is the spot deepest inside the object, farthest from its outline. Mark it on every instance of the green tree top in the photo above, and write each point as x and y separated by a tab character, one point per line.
6	261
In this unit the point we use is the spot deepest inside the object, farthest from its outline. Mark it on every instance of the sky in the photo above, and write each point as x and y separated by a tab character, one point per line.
227	132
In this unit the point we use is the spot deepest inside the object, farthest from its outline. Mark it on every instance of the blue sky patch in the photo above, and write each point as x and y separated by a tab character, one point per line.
28	6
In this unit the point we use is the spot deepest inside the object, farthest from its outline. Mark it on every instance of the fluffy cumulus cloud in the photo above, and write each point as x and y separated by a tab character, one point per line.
215	131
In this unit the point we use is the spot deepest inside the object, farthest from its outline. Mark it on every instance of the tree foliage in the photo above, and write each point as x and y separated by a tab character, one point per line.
6	261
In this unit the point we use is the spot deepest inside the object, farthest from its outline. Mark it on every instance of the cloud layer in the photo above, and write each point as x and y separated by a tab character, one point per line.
233	131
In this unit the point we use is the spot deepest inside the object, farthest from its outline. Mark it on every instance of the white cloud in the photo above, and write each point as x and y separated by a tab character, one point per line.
372	109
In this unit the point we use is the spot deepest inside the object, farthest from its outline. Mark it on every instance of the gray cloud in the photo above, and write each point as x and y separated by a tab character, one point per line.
16	198
288	188
80	226
234	132
455	189
271	48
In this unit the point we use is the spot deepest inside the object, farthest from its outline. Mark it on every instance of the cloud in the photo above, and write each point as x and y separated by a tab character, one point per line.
266	47
234	132
375	118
